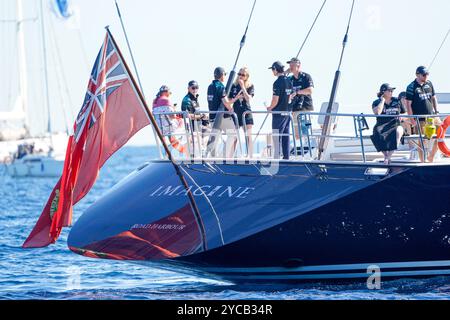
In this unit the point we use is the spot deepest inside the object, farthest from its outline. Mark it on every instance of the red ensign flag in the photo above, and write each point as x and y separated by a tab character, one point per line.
112	113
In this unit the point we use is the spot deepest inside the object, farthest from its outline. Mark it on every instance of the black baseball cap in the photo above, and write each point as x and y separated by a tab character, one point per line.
294	60
219	71
385	87
422	70
402	95
192	83
278	66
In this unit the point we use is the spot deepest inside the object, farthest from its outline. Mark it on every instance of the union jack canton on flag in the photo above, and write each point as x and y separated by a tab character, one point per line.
112	112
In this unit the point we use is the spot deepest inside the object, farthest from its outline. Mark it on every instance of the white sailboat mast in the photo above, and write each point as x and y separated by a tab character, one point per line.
23	76
45	71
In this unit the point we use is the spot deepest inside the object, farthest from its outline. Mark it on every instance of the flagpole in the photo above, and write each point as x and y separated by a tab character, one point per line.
135	68
166	148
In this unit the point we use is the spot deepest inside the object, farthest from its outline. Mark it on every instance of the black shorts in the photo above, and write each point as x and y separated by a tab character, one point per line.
248	117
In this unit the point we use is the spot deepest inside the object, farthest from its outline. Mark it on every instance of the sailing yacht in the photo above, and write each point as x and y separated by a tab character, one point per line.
24	154
333	213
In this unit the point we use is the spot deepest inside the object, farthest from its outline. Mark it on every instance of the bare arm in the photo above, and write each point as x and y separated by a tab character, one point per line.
409	112
435	104
274	103
228	104
306	91
408	107
378	109
244	93
246	96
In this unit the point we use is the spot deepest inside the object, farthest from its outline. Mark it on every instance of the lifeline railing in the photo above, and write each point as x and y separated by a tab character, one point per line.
195	136
360	125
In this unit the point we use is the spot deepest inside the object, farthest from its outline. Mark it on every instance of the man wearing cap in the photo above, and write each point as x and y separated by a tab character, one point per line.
303	86
190	104
217	97
281	99
421	100
199	122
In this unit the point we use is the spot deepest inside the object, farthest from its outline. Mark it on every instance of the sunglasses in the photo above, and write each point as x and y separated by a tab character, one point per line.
194	88
242	75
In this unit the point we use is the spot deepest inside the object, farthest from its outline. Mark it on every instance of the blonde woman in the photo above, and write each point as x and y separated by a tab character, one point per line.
241	95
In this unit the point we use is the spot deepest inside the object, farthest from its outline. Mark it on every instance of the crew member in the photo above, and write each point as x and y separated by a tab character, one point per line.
301	100
216	98
282	90
421	100
191	105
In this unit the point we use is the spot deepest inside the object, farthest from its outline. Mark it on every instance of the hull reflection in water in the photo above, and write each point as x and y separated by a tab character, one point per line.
306	222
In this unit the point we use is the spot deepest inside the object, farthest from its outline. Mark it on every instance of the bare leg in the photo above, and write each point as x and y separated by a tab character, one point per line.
433	151
249	141
400	131
419	148
296	127
387	156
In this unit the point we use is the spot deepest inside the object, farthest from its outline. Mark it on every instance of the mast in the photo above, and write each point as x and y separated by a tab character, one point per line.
323	142
218	119
45	71
23	79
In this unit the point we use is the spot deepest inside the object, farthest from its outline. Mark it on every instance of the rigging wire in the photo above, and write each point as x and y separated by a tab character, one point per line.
59	74
9	28
154	130
326	126
298	54
65	85
219	117
83	50
439	50
312	27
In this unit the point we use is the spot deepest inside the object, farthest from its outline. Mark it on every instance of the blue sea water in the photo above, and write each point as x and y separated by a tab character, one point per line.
57	273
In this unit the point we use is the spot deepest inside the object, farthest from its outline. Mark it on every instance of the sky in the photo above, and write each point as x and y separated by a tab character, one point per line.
175	41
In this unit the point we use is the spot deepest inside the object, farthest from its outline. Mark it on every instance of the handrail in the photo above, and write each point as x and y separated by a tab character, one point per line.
244	116
305	138
188	130
359	118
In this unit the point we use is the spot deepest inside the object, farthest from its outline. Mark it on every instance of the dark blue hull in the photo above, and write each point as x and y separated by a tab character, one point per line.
304	222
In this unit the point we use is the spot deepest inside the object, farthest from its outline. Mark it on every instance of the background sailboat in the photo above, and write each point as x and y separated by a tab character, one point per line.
29	150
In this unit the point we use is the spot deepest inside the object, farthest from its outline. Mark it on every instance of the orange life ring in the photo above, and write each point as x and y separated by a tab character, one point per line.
441	137
176	144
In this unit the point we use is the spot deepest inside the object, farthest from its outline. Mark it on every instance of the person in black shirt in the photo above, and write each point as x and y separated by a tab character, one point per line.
282	90
387	132
303	86
199	122
421	100
241	94
216	98
191	105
